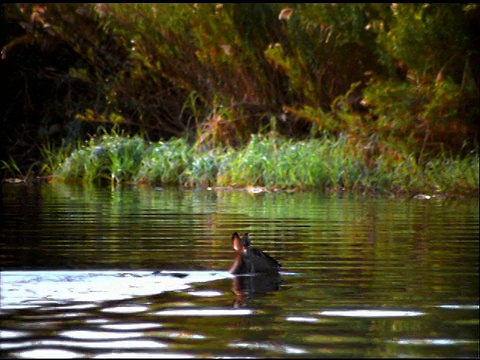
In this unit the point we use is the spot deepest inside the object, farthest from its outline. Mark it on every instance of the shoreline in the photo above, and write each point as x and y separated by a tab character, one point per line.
254	190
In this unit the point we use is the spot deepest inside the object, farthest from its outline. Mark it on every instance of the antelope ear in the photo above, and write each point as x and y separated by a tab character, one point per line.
246	240
235	236
237	243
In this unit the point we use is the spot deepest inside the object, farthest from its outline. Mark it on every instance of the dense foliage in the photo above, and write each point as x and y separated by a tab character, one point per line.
394	81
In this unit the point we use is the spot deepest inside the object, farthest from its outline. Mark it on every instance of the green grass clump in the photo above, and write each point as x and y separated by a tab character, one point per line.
204	168
278	162
284	163
269	161
456	175
165	162
109	157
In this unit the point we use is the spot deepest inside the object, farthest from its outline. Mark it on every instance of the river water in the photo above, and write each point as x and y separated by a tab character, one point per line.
141	272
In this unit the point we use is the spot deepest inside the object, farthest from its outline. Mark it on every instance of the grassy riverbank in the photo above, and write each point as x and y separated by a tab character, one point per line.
273	162
383	96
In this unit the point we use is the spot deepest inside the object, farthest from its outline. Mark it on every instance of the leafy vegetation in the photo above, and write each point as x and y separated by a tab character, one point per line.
331	94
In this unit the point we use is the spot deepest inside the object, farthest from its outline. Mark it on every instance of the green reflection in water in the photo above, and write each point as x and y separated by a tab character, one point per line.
372	254
348	256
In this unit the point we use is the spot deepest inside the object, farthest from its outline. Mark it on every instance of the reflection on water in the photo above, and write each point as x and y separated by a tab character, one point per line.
361	277
247	287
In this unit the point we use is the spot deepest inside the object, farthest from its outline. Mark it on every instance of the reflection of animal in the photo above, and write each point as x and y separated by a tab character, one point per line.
249	287
250	260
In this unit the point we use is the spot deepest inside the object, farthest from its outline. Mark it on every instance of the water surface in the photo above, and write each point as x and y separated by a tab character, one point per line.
141	272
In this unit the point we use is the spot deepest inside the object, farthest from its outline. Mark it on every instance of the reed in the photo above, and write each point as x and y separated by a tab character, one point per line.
114	158
165	162
454	174
327	163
